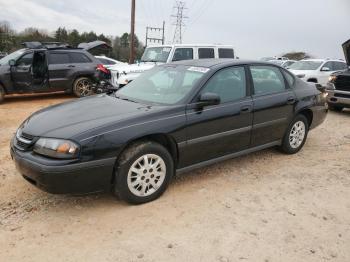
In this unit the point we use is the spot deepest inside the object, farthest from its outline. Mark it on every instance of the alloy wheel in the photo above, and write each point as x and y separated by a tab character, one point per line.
297	134
84	88
146	175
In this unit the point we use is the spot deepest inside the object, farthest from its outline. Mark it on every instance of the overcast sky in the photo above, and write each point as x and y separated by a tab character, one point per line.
256	28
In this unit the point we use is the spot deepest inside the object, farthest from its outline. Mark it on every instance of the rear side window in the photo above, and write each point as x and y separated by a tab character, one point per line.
226	53
58	58
205	53
228	83
290	79
183	54
267	80
79	58
25	60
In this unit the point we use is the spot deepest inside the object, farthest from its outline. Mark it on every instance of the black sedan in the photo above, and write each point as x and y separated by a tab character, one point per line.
172	119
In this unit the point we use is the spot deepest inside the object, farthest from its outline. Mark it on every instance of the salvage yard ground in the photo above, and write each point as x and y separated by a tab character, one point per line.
262	207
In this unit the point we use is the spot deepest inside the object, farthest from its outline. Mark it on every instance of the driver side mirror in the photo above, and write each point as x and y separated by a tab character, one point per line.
209	99
12	62
325	69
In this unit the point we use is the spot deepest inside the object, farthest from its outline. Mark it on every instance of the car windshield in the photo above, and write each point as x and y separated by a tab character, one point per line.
14	56
305	65
156	54
163	85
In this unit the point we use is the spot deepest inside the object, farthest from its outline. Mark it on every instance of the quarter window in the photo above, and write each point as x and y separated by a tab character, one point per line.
226	53
183	54
229	84
205	53
58	58
25	60
267	80
79	58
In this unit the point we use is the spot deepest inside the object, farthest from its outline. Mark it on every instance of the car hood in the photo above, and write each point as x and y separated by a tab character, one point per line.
72	118
346	48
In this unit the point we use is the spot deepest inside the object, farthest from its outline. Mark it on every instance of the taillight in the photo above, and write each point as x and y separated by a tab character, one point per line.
103	69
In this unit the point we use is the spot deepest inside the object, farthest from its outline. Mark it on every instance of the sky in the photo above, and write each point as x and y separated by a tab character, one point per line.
256	28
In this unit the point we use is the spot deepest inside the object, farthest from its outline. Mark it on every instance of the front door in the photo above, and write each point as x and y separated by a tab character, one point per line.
222	129
273	105
21	75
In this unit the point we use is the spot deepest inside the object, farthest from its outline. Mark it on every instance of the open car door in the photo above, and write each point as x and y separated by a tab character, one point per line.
40	70
346	48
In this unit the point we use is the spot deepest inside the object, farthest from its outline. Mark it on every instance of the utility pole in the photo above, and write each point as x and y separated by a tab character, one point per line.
155	39
180	7
132	33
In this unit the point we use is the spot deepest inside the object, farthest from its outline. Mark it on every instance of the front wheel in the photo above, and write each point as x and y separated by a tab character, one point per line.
144	172
83	87
296	135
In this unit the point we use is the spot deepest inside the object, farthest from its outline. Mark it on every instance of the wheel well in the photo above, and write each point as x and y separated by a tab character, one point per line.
312	80
163	139
308	114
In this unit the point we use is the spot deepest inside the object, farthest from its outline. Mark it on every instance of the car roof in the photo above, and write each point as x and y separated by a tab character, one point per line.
209	63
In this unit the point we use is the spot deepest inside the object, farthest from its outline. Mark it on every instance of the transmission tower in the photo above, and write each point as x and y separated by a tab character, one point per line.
179	23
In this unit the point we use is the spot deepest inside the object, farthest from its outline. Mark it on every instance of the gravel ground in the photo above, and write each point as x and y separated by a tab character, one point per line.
262	207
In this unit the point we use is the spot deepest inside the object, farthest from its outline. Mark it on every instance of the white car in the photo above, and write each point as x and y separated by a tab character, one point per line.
156	55
109	62
317	70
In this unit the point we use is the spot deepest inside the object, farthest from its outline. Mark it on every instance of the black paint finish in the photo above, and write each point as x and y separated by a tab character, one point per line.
104	126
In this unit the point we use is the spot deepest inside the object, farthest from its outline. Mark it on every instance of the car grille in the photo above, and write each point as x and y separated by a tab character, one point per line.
342	83
24	141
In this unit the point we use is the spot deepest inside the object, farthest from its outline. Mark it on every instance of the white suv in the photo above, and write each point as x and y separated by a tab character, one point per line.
156	55
317	70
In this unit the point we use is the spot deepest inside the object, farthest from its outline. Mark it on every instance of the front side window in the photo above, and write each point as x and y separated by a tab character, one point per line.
59	58
183	54
329	65
206	53
290	79
78	58
163	85
156	54
267	80
25	60
228	83
226	53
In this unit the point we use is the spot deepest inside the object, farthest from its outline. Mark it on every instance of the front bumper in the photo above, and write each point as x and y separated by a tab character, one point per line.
338	98
62	177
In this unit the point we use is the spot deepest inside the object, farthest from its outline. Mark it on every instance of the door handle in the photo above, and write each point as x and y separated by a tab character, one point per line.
71	66
245	109
291	101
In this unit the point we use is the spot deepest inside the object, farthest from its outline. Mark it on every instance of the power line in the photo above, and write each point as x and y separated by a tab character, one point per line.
179	24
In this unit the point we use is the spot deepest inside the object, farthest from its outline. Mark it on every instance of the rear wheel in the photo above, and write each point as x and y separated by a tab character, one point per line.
2	94
82	87
144	172
296	135
335	108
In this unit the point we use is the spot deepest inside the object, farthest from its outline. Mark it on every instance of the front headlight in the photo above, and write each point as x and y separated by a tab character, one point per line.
332	78
56	148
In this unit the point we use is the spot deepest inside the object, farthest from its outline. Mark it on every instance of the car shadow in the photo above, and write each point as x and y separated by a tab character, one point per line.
36	97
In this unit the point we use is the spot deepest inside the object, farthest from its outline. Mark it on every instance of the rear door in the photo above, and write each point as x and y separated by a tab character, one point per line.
218	130
273	104
60	68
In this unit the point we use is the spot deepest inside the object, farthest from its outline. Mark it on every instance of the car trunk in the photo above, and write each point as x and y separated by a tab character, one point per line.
346	47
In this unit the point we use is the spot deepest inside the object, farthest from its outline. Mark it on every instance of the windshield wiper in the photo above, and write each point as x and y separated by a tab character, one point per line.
126	99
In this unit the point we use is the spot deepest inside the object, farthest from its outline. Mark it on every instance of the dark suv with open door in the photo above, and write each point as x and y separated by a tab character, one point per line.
48	67
338	87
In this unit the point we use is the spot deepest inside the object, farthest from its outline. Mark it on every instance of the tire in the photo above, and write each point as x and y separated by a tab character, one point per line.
82	87
2	94
295	136
147	183
335	108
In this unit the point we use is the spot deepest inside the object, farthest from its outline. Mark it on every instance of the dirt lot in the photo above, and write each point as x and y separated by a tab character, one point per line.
262	207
